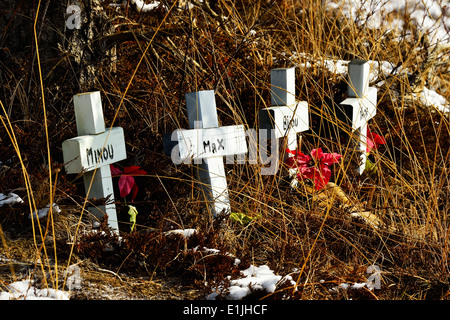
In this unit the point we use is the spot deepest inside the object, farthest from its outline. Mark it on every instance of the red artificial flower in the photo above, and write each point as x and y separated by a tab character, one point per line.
314	167
127	184
373	140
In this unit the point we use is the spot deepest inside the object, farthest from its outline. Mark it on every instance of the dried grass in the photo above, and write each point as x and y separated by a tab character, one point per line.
321	239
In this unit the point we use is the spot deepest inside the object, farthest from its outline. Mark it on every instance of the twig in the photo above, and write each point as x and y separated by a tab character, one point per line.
109	271
178	53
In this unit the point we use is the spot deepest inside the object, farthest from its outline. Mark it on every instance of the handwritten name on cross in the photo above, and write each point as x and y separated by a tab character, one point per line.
93	151
207	144
359	107
287	116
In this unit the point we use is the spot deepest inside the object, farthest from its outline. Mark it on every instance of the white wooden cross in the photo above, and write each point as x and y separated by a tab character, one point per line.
93	151
359	107
207	144
287	116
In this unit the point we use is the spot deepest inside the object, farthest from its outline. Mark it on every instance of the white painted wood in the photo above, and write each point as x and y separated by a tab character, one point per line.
360	110
360	107
202	114
213	180
85	153
212	142
92	152
283	120
201	107
102	187
361	145
291	141
88	115
358	72
282	82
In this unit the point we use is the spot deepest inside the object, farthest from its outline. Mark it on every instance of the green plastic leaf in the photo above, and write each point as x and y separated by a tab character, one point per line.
241	218
132	211
371	168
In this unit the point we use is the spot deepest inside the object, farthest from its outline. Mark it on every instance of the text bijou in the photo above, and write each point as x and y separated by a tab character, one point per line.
205	143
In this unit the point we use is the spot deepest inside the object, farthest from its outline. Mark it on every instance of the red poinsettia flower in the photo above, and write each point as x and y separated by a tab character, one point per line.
127	184
314	167
373	140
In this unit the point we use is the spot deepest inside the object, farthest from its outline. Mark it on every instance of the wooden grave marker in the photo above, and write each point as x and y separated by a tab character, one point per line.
207	143
92	152
287	116
359	107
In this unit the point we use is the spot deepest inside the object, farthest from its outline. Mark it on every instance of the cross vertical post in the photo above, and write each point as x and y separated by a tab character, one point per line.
287	116
359	107
92	152
207	144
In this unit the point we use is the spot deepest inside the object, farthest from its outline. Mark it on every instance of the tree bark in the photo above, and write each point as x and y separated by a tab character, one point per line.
65	47
81	39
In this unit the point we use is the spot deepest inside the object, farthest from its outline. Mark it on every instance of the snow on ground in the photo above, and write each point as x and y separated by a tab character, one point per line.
12	198
253	278
185	233
259	278
209	251
44	211
379	69
23	290
9	199
141	6
431	98
354	286
429	16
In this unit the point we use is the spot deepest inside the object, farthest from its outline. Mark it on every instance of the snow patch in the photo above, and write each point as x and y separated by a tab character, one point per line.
431	98
185	233
23	290
378	71
141	6
9	199
41	213
354	286
260	278
429	16
210	251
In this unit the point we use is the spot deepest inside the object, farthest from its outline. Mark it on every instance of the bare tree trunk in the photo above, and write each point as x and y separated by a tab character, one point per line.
86	22
67	33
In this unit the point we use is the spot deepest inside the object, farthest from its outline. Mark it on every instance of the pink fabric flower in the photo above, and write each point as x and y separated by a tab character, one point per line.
127	184
314	167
